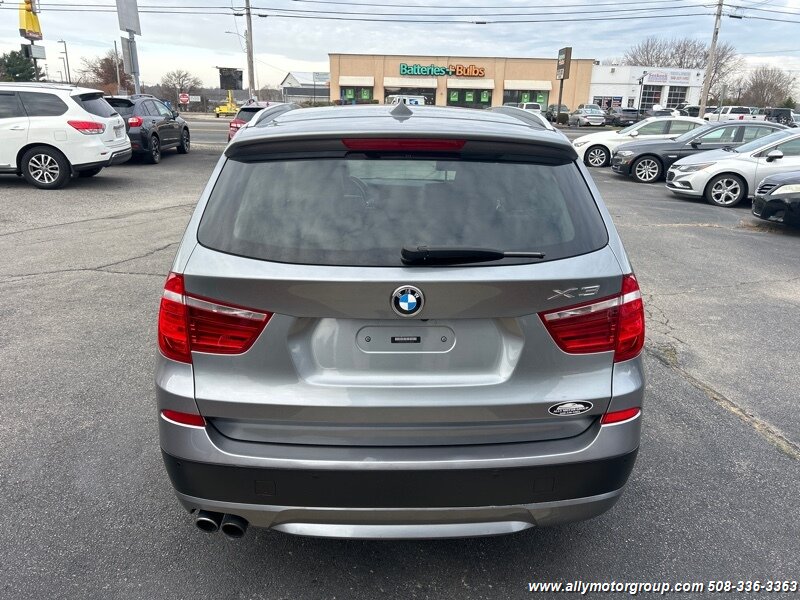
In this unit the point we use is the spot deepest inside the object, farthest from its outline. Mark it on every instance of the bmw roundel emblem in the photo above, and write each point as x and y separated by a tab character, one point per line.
407	301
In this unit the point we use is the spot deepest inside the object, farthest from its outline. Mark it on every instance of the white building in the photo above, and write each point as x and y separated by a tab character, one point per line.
619	85
300	86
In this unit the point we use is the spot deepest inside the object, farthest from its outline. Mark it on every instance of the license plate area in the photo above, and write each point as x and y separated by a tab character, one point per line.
119	130
405	339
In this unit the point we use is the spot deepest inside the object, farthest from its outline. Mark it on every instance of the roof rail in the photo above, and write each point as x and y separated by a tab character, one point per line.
524	116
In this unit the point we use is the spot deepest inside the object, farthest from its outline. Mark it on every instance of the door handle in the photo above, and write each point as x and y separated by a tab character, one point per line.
18	128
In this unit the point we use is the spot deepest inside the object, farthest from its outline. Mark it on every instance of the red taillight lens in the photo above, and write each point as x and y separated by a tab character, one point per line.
88	127
237	123
615	323
403	144
184	418
135	121
618	416
187	323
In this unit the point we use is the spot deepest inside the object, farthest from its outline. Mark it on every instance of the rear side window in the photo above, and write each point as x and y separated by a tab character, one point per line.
38	104
96	105
9	106
753	133
362	211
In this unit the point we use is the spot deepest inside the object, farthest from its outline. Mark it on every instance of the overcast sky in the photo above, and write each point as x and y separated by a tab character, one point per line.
198	43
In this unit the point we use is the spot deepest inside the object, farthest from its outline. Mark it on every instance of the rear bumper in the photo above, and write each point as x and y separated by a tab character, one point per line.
116	158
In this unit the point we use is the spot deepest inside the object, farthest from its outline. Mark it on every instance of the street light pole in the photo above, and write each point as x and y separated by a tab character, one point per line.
66	54
249	46
641	91
712	55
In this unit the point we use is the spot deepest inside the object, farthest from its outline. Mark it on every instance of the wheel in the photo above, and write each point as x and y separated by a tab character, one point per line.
46	168
216	115
646	169
183	147
154	156
596	156
90	172
725	190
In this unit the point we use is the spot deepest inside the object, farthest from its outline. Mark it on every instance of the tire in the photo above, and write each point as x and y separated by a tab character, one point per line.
597	156
647	169
154	155
46	168
725	190
216	115
186	142
90	172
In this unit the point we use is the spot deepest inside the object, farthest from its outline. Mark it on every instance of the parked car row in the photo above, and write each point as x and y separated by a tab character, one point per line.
53	132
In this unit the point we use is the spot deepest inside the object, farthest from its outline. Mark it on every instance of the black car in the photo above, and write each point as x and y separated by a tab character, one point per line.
621	117
784	116
552	112
648	160
777	198
152	126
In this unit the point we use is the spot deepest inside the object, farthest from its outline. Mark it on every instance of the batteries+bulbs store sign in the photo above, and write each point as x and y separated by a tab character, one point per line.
439	71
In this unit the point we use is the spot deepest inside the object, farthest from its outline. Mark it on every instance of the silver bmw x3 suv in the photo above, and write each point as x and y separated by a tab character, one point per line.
394	322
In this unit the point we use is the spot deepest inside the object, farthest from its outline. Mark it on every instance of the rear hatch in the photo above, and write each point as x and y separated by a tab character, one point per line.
94	103
361	348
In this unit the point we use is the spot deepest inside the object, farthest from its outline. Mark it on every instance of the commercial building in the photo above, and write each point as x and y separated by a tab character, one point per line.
642	87
299	86
474	82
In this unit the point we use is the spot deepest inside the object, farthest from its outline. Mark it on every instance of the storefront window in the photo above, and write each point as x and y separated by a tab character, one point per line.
676	95
356	95
651	94
517	96
469	98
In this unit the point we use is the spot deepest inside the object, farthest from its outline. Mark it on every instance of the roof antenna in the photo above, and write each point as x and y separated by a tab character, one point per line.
401	112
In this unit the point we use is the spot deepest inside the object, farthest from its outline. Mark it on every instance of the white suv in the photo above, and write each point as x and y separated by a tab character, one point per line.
50	132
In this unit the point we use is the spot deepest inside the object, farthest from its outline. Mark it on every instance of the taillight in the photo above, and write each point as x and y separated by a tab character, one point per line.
135	121
615	323
184	418
237	123
88	127
618	416
187	323
403	144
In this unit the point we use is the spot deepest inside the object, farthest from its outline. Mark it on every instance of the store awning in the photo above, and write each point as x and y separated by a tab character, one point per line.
356	81
528	84
409	82
470	83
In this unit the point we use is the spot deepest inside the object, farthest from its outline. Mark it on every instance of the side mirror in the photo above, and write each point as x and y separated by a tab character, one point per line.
774	155
633	134
695	143
175	114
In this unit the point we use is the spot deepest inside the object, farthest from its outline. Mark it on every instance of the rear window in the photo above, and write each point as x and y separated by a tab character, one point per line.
122	106
96	105
740	110
362	211
246	114
39	104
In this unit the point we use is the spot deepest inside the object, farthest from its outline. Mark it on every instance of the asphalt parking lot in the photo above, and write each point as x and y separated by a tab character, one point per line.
88	511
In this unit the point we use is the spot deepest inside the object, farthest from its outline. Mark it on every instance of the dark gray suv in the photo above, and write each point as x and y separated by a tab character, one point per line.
394	322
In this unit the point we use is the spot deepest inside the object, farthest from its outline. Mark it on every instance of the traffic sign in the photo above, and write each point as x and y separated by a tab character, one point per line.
184	98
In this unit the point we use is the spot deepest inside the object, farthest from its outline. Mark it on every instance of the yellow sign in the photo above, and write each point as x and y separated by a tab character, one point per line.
29	27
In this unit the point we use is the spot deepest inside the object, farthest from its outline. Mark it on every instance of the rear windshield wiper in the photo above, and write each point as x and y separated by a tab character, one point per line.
455	255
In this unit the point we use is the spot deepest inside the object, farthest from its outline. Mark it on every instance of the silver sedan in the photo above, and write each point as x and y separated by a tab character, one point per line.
584	117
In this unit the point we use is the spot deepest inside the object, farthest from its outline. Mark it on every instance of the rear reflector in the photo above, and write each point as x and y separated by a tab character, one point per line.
135	121
184	418
88	127
187	323
618	416
615	323
403	144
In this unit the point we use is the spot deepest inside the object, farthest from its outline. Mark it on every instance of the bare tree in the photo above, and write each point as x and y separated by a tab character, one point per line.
101	72
686	53
178	81
768	86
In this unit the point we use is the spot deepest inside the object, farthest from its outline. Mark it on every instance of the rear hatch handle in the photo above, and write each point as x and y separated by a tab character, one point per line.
454	255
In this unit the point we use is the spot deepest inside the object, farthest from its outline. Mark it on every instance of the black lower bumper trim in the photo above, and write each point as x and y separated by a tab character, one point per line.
398	488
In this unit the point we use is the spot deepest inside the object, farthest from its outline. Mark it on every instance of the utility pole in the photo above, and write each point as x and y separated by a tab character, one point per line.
116	68
712	55
66	56
249	43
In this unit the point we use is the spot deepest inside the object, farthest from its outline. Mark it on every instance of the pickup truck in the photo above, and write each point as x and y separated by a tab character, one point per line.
733	113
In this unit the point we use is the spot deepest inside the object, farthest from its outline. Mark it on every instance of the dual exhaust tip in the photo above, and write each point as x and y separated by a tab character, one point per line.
232	526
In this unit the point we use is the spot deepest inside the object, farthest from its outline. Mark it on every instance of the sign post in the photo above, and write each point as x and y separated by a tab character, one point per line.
128	14
562	73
